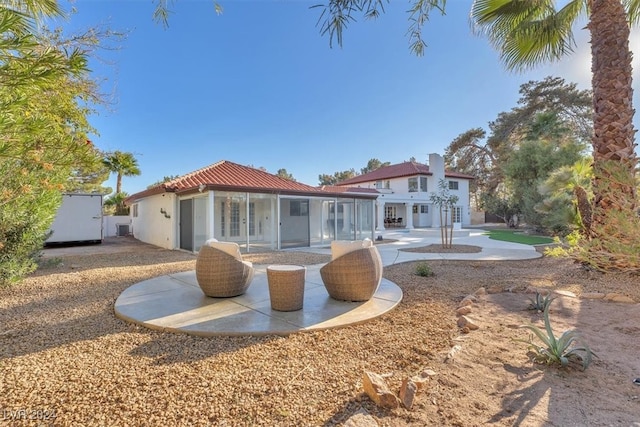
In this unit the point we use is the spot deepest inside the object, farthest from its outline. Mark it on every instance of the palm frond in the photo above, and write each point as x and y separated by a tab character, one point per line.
633	10
527	33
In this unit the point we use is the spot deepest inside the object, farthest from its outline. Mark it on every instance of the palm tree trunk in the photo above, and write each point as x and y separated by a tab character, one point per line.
614	159
119	183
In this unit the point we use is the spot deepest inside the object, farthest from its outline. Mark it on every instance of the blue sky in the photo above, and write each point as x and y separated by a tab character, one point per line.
258	85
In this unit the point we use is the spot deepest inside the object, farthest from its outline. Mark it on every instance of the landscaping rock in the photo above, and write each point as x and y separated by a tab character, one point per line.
593	295
464	310
467	322
565	293
619	298
361	419
408	391
378	390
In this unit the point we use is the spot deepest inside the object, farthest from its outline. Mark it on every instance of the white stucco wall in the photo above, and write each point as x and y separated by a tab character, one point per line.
398	196
110	224
153	226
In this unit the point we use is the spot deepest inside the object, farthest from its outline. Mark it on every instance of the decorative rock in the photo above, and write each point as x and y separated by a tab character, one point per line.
408	391
471	298
495	289
428	373
452	353
419	381
564	293
466	322
465	303
593	295
378	390
531	290
361	419
613	297
464	310
480	292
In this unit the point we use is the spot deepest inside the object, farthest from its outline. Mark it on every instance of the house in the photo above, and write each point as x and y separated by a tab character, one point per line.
404	193
258	210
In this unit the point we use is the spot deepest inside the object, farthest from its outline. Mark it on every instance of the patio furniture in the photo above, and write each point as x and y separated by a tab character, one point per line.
355	274
220	270
286	286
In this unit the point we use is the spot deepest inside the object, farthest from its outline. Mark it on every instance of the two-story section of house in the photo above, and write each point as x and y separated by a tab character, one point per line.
405	191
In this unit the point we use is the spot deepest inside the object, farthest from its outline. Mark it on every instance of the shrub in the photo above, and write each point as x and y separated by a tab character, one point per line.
424	270
23	231
540	303
557	350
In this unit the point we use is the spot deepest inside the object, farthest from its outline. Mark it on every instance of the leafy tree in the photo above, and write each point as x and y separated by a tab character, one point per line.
372	165
503	206
114	204
44	96
468	154
282	173
336	177
566	196
122	164
163	180
88	177
474	153
547	146
445	202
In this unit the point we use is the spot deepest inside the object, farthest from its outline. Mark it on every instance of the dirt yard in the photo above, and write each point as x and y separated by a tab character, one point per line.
66	360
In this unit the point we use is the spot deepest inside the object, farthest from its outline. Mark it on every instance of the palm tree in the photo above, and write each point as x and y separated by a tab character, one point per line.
122	164
527	33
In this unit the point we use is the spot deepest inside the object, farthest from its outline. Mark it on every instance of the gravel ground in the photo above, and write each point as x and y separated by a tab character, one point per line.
66	360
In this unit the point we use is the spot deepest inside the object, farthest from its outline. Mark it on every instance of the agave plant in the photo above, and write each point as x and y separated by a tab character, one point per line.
540	303
558	350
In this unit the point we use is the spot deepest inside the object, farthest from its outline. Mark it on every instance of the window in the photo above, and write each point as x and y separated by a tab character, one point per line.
389	211
134	210
413	185
457	214
415	209
222	222
387	184
424	209
299	208
453	185
378	184
234	226
252	219
423	183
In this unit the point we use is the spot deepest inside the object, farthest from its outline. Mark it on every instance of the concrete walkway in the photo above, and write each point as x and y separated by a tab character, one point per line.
175	303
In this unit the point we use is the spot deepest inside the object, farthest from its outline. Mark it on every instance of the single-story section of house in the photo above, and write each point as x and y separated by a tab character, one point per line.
256	209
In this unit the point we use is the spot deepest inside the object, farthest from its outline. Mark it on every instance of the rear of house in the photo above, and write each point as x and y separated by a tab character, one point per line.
253	208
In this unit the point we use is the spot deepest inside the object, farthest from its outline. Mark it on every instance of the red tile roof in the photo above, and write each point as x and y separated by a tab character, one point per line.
229	176
351	190
397	171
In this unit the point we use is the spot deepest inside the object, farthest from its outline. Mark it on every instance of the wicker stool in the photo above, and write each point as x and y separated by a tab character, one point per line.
286	286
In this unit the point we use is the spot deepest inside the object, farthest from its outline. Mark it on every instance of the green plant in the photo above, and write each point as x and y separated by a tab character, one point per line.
540	303
424	270
557	350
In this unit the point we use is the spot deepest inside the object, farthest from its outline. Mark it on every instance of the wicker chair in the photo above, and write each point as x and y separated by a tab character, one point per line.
354	276
222	275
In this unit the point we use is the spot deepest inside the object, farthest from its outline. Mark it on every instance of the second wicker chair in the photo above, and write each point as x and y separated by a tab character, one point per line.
354	276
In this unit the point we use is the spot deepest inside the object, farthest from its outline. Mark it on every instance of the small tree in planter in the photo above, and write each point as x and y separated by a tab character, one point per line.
445	202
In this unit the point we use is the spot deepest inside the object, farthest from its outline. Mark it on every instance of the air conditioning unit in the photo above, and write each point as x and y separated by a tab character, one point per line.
123	229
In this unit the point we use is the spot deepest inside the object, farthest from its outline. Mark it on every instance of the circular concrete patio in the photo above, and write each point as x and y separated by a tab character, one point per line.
175	303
